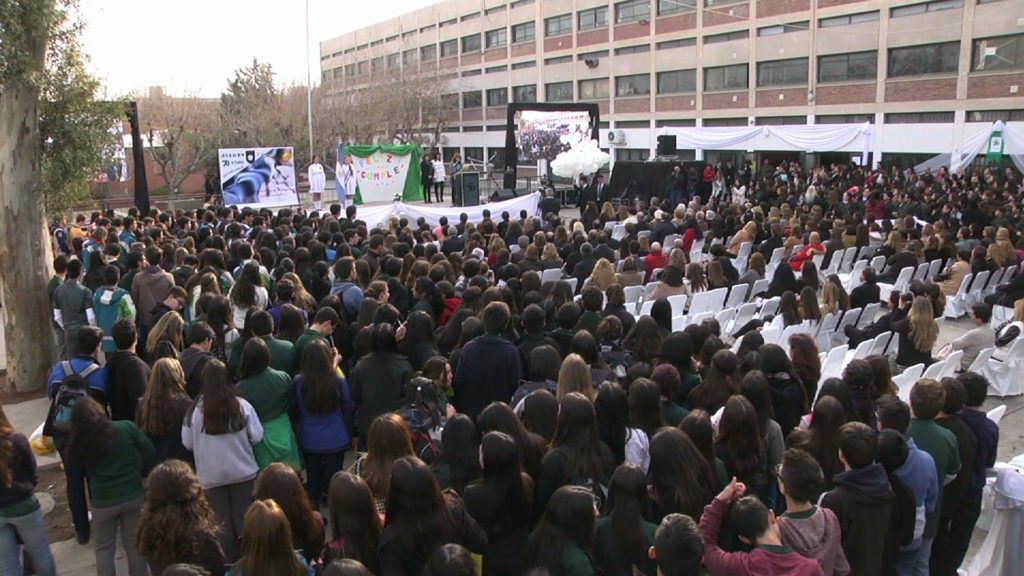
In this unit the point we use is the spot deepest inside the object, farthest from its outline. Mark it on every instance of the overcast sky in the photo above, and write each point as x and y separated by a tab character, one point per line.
194	47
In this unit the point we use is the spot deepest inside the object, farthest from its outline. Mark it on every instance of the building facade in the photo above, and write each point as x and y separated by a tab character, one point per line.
927	75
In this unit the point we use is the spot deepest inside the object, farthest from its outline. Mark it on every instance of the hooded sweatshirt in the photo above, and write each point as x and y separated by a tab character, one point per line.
815	534
149	288
192	361
862	500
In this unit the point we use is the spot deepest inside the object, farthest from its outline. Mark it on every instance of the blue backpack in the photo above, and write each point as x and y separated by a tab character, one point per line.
73	387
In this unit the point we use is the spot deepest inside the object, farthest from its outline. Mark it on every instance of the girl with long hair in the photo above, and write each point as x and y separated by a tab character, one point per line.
821	438
803	352
918	333
271	394
697	426
21	514
219	316
281	484
292	324
501	502
165	340
695	278
162	409
627	442
221	429
809	310
577	455
378	380
459	461
754	387
498	417
622	536
421	519
301	296
354	522
562	542
718	385
834	299
574	376
741	448
603	275
809	277
788	313
324	409
643	341
681	479
115	455
177	523
677	350
247	294
266	548
789	396
418	342
387	440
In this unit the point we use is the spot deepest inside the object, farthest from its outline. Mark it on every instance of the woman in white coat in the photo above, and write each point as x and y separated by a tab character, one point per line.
347	174
317	182
439	178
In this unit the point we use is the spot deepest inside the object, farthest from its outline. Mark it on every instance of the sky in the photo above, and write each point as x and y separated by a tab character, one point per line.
192	47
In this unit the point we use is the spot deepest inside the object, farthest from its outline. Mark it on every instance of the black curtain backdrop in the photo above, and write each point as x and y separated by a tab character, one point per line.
640	179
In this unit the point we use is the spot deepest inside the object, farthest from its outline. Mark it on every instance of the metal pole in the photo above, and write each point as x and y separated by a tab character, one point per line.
309	89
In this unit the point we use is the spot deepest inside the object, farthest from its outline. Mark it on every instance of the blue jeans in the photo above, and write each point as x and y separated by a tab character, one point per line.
31	530
676	197
915	562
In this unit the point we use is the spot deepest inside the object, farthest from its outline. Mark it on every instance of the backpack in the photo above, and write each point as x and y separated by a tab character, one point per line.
597	488
73	387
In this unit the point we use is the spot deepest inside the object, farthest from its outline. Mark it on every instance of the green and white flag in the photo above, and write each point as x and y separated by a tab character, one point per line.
994	152
386	173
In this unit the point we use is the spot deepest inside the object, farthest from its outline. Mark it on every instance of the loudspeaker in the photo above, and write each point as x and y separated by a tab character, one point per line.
667	145
504	194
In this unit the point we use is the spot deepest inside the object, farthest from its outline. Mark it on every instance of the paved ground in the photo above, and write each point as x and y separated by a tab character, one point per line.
76	560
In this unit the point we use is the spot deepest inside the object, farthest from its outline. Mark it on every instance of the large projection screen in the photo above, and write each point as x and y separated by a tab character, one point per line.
538	131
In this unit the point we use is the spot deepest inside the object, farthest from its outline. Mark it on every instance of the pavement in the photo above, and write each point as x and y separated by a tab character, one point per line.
76	560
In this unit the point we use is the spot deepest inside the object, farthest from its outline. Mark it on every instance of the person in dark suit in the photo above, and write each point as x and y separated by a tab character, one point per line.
426	175
867	292
585	266
772	242
732	275
905	258
602	192
453	241
603	249
549	204
583	193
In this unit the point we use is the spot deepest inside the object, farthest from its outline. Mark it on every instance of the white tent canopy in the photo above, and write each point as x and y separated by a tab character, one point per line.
813	138
1013	146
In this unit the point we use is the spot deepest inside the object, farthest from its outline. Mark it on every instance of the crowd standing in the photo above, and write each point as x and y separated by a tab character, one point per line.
217	366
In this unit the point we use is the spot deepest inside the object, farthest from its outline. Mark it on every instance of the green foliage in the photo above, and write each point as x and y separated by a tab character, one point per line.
24	26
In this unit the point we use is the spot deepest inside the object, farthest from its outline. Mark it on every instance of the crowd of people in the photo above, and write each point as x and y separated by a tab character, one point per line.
218	368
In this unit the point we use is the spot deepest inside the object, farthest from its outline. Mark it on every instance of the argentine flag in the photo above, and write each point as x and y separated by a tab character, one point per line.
337	173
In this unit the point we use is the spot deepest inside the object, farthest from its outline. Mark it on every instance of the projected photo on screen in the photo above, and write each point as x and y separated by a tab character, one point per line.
544	134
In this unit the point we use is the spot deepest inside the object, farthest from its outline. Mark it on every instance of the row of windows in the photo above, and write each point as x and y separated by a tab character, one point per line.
999	53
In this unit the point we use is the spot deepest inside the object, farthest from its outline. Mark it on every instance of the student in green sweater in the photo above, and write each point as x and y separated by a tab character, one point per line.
623	536
272	394
561	542
115	455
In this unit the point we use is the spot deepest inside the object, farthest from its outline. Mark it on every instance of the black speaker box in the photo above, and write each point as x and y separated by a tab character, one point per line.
504	194
667	145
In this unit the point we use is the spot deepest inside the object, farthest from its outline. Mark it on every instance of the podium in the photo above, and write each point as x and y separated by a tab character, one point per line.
466	189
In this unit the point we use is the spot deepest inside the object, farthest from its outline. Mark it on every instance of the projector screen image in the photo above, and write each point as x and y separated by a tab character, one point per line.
543	135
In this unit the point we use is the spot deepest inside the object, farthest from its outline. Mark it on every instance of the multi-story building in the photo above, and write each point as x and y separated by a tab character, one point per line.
926	74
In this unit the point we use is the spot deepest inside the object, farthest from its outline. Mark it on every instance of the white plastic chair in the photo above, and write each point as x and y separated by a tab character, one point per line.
981	360
737	296
921	272
914	372
934	268
787	332
551	275
725	318
1005	376
698	318
956	306
852	280
759	287
974	295
878	263
935	370
902	281
633	295
678	303
771	335
742	255
572	283
833	364
619	232
860	352
769	307
849	257
868	315
823	337
744	314
849	319
679	323
880	343
952	365
645	307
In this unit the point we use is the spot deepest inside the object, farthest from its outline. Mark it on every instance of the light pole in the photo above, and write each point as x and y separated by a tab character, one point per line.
309	89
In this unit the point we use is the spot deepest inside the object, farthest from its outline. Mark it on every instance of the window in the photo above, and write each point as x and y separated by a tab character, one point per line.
497	96
523	32
471	43
350	70
783	28
493	69
593	18
673	122
391	38
782	72
936	6
680	43
427	27
469	16
926	59
844	118
377	64
848	19
474	154
638	49
632	10
593	89
848	67
497	38
633	85
677	81
720	122
727	37
592	55
449	48
780	120
428	53
524	93
725	77
472	99
450	22
720	2
394	61
524	65
475	72
558	92
495	10
919	118
558	25
363	68
989	116
557	60
666	7
1000	53
408	34
472	128
632	154
520	3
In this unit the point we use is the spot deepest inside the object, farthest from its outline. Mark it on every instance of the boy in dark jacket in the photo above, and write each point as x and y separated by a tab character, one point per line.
862	499
489	368
127	374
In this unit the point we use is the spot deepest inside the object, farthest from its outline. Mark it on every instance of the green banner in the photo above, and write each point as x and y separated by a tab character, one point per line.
384	173
994	152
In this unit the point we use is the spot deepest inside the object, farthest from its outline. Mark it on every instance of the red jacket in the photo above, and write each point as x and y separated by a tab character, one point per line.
653	261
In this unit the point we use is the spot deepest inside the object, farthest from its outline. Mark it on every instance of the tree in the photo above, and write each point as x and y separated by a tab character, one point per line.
255	112
181	135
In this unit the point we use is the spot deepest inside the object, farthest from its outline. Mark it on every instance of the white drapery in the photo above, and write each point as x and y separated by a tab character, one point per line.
1013	146
374	215
814	138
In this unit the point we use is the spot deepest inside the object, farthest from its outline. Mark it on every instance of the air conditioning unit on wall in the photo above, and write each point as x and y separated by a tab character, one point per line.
616	137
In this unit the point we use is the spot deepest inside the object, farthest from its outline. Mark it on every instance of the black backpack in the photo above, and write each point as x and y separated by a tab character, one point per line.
73	387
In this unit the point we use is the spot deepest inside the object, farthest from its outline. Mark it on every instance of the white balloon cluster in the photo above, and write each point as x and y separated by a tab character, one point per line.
582	157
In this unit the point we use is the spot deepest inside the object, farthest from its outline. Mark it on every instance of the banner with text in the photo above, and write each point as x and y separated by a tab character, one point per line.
258	176
386	173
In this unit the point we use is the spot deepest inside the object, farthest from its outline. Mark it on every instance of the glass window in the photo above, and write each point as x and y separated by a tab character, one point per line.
782	72
524	93
844	118
524	65
926	59
497	38
680	43
593	18
719	122
449	48
493	69
363	68
633	85
848	19
632	10
638	49
1000	53
475	72
666	7
783	28
721	2
558	92
409	57
677	81
428	53
557	60
377	64
523	32
990	116
936	6
497	96
725	77
450	101
727	37
919	118
350	70
472	99
780	120
592	55
471	43
632	154
593	89
558	25
848	67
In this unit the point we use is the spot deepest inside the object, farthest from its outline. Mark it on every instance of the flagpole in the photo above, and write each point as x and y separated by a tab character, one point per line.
309	88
